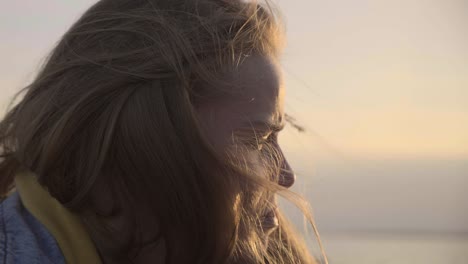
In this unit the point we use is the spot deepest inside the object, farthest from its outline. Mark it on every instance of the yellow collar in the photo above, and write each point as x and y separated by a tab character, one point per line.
70	233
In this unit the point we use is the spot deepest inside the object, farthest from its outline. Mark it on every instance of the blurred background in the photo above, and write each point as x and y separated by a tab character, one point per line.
381	87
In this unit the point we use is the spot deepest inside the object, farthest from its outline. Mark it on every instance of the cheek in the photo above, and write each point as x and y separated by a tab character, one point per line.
251	160
216	127
255	162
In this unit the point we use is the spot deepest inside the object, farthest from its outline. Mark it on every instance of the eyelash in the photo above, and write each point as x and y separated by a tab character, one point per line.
262	141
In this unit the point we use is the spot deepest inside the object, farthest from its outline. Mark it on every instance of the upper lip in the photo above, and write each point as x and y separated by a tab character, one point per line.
270	212
269	220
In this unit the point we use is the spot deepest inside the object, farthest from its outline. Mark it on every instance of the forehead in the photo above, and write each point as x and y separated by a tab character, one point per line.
255	77
255	92
255	89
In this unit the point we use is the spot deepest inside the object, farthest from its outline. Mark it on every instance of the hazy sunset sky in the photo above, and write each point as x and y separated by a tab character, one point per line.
381	78
367	78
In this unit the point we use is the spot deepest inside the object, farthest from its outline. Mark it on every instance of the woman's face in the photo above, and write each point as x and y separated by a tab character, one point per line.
253	113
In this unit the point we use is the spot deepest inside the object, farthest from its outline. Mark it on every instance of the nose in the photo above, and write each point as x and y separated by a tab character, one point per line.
287	177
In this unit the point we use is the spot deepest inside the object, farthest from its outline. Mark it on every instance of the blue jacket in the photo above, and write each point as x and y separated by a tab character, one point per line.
23	239
36	228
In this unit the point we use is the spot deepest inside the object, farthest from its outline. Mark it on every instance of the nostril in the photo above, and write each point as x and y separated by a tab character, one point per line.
287	178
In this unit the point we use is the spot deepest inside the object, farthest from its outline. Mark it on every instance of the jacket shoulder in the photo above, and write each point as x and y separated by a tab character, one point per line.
23	239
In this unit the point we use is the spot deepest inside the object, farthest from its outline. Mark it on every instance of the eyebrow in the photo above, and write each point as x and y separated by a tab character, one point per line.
266	124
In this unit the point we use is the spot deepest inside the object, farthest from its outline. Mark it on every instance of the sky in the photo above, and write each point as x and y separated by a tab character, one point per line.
381	78
380	85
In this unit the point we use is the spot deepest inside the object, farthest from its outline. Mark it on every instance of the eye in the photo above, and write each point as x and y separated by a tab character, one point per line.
270	138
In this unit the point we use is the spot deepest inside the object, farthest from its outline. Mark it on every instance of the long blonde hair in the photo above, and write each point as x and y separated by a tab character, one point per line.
114	104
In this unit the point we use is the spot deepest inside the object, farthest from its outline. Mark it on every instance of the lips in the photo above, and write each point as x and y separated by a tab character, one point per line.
269	220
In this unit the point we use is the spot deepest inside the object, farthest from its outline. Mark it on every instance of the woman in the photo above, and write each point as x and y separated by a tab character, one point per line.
150	136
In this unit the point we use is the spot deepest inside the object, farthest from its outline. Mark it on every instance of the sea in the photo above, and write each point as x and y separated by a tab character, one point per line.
395	249
386	211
